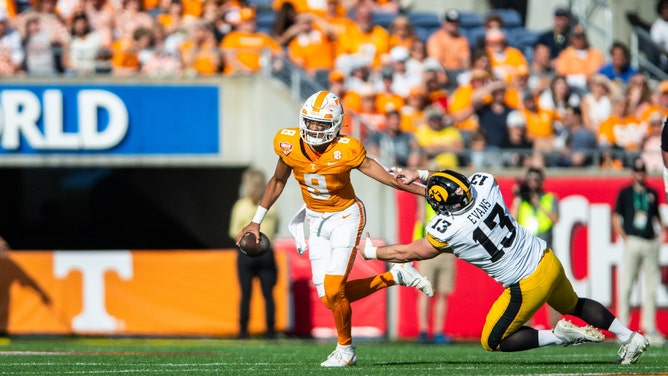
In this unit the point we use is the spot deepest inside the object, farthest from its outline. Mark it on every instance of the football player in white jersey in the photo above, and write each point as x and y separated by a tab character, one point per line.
474	223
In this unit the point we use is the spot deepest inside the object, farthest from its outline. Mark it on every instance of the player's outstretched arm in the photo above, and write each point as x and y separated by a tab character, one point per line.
272	191
419	249
376	171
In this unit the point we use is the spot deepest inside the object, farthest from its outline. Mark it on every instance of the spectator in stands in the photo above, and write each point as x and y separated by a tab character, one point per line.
360	72
11	49
371	41
492	21
541	70
402	33
101	18
557	38
172	18
517	148
580	142
131	18
621	130
460	103
505	60
125	54
539	122
660	98
335	23
651	145
81	56
310	49
50	23
243	47
412	113
371	117
518	85
619	68
659	30
155	60
595	104
639	96
403	79
350	99
557	97
580	60
448	45
286	26
478	157
492	116
40	59
479	61
434	81
392	146
439	140
386	98
199	53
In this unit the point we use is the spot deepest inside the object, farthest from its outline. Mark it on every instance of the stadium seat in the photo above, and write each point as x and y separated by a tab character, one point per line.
424	33
383	19
511	18
265	18
261	4
469	20
427	20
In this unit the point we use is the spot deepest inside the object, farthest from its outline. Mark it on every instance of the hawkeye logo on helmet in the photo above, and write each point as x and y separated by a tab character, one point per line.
438	193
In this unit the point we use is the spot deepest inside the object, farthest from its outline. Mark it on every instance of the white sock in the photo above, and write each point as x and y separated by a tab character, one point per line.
546	337
622	332
343	347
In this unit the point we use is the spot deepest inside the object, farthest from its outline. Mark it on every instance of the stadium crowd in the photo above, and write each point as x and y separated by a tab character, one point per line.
439	94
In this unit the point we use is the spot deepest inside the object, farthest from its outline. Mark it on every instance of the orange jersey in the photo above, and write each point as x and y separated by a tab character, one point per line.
324	179
248	48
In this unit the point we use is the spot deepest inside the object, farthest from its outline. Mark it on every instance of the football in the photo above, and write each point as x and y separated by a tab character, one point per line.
249	247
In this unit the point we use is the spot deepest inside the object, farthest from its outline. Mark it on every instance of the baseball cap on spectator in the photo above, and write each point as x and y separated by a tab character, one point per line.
452	15
562	12
246	14
336	75
434	113
3	16
528	95
431	64
387	72
663	87
516	119
638	165
416	91
399	54
479	74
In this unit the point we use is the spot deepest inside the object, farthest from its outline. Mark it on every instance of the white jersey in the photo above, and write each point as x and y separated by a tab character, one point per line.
487	236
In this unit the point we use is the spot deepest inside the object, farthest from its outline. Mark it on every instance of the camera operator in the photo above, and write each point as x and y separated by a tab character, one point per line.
535	209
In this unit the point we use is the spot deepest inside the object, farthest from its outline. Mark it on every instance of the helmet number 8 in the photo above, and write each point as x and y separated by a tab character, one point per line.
317	185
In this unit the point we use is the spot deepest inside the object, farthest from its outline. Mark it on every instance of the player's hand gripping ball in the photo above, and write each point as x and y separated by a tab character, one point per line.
251	248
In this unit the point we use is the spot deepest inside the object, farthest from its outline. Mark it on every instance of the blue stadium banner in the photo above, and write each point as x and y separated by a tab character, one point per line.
109	119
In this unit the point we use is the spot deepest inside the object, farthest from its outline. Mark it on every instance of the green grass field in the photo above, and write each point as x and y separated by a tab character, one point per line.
133	356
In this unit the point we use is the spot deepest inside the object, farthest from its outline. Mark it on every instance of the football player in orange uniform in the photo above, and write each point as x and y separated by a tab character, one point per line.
321	160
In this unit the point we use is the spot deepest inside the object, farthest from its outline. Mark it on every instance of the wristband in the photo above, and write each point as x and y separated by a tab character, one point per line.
259	215
369	250
423	175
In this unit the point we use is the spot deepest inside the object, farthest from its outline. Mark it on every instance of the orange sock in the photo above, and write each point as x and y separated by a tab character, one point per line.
360	288
337	302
